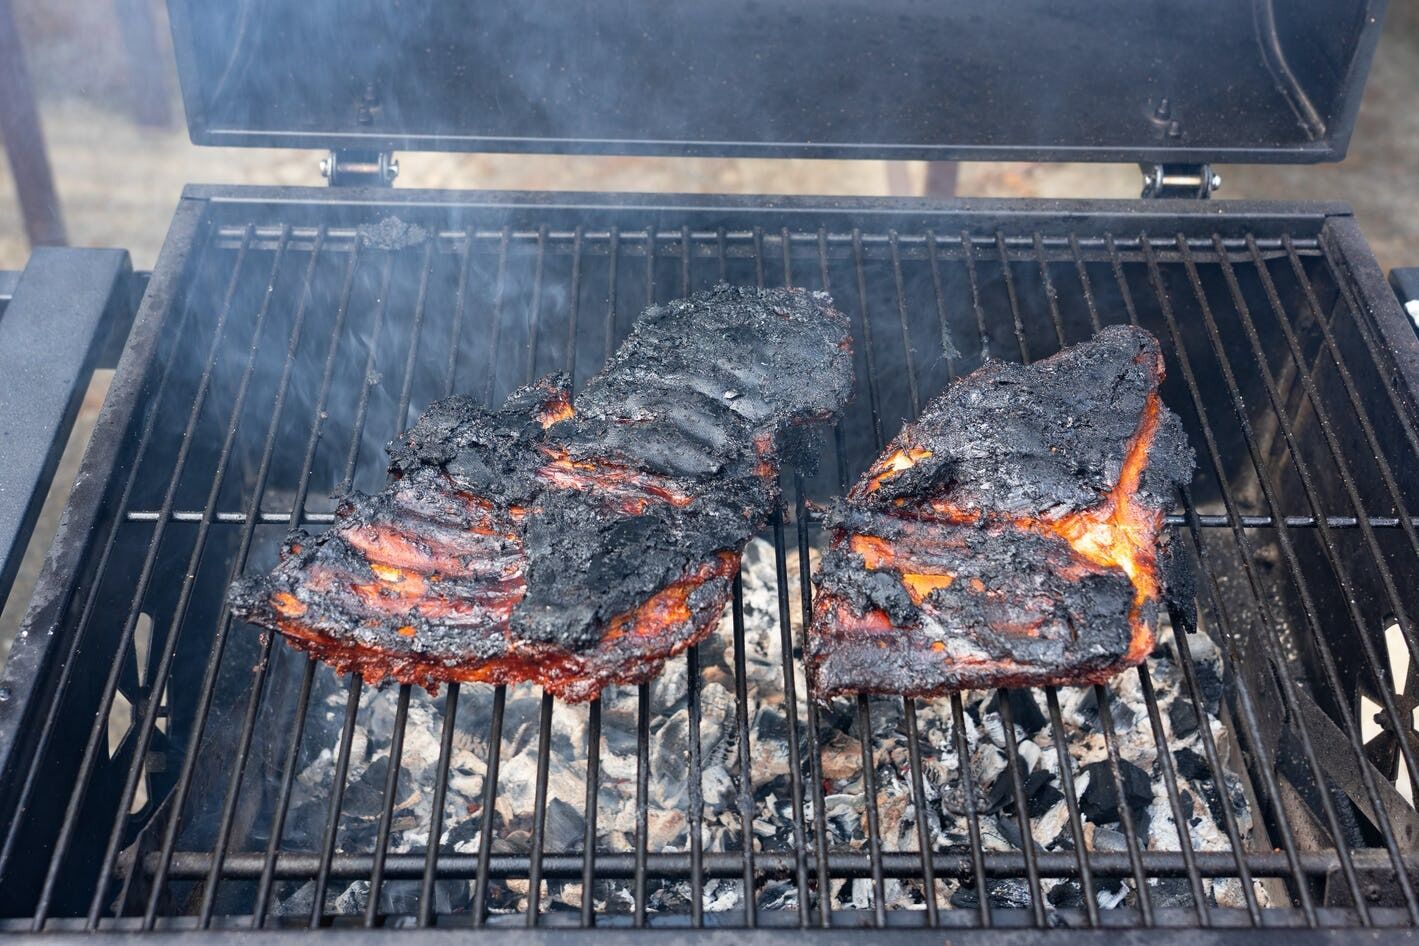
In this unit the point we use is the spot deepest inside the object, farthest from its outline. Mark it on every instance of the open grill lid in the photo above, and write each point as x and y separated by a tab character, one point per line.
1178	81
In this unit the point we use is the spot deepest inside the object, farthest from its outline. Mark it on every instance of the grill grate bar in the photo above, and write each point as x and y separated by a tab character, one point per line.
746	764
1269	489
790	685
790	698
814	519
593	784
1071	800
1051	296
642	786
1170	783
820	826
1022	809
337	795
670	865
1125	815
490	788
386	815
283	801
1245	549
1023	247
436	810
923	833
968	794
869	803
696	789
539	811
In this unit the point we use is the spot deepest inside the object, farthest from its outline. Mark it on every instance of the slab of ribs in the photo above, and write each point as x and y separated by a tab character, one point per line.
1012	535
574	542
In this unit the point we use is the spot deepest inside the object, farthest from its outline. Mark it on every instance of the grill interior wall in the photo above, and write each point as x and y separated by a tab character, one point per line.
296	349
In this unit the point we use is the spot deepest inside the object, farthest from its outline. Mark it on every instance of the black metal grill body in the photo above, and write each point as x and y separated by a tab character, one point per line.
151	745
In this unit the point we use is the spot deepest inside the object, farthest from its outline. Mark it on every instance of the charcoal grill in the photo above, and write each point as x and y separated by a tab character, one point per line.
166	769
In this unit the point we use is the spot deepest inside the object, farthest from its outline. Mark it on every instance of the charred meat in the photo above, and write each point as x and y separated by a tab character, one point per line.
572	542
1011	536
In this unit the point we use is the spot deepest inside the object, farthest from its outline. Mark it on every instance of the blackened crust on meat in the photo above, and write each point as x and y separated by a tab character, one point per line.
1042	439
978	551
576	544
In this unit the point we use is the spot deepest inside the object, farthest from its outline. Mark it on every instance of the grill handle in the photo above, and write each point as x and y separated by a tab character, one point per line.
66	314
1405	281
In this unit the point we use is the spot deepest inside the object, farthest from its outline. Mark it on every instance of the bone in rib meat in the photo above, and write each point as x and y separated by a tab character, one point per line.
572	542
1013	535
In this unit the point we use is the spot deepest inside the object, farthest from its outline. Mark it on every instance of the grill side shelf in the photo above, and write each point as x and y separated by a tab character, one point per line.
27	684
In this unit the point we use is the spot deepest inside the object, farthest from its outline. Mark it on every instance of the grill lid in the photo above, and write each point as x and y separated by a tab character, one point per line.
1104	80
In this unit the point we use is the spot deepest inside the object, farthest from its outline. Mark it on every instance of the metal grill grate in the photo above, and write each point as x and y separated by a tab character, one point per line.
285	343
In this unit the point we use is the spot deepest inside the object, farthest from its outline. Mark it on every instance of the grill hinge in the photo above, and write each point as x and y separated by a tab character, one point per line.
360	168
1179	180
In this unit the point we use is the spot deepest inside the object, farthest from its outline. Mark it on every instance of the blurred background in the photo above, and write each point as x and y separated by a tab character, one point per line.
108	104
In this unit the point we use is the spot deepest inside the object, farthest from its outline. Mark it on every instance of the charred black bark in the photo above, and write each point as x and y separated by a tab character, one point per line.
571	543
1012	535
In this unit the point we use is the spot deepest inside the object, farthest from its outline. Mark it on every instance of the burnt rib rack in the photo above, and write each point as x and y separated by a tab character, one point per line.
165	760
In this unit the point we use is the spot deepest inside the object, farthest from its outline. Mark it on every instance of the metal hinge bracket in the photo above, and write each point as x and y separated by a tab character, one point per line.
1179	180
360	168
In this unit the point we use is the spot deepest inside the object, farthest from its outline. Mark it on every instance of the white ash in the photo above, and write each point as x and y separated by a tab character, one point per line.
772	827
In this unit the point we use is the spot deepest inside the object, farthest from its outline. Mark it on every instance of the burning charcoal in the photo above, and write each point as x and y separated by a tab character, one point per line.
1190	765
1099	801
1026	711
1170	892
1209	685
1110	892
364	797
1183	717
1066	896
1043	796
1087	710
565	827
1108	839
1005	894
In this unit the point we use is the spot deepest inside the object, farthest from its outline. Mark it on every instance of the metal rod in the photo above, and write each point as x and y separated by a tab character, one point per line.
490	794
902	322
746	775
923	833
386	814
869	804
495	330
790	702
337	796
672	865
1022	806
539	811
1051	296
1125	814
436	808
696	820
593	779
815	769
283	800
1071	802
642	801
968	793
